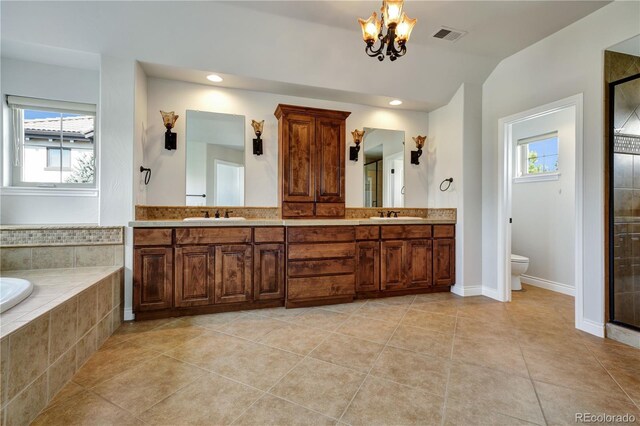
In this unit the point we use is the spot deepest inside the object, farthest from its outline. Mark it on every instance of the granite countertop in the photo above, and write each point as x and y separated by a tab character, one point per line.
283	222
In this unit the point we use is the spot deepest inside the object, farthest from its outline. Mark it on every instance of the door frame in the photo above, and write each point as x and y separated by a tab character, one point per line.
505	184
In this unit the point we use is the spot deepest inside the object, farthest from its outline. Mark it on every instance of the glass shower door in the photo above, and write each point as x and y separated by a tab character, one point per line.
624	110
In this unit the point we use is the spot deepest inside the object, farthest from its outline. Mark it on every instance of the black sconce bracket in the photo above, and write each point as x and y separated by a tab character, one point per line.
170	140
257	145
415	155
353	152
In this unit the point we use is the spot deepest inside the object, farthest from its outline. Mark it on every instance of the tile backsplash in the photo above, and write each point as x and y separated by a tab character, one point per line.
181	212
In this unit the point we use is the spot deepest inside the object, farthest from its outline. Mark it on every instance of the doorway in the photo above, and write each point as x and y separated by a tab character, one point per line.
515	162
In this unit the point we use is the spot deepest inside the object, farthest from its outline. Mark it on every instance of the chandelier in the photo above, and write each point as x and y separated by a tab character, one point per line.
399	27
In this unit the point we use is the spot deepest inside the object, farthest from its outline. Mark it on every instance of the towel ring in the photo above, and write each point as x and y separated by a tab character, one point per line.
450	180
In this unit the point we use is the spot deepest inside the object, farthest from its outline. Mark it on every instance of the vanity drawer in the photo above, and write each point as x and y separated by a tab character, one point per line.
268	235
367	232
297	210
444	231
321	234
313	268
318	287
394	232
321	251
152	237
330	210
213	235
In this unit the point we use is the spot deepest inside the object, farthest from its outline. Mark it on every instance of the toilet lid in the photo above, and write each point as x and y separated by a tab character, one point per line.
519	259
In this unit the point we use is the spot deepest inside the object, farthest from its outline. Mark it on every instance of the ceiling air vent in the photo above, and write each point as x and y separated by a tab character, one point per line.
449	34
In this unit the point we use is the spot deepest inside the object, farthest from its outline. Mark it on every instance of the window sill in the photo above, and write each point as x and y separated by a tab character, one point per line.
49	192
537	178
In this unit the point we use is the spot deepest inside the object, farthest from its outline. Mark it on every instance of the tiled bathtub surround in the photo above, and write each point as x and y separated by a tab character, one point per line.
19	258
59	235
181	212
42	349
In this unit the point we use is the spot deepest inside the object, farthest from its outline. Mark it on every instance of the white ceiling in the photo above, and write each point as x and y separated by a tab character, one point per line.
302	48
496	28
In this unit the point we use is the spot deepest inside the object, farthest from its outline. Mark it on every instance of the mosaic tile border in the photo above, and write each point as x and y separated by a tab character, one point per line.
36	236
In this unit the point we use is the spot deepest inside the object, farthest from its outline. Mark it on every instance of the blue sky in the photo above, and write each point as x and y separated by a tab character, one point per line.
546	148
31	114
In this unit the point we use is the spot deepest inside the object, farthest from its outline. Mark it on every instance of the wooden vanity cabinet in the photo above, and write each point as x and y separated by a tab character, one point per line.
311	158
321	265
202	270
152	269
153	278
404	259
194	276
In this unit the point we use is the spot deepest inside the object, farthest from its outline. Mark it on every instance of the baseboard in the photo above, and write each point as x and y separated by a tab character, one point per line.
471	290
128	314
548	285
591	327
491	293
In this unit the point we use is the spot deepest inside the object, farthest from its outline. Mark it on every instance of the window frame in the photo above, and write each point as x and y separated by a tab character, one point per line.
13	183
522	159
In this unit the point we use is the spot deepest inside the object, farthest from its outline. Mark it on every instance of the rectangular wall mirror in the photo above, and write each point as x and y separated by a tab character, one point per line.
215	159
383	167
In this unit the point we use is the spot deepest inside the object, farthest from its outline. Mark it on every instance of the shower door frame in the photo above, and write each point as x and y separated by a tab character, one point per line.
610	208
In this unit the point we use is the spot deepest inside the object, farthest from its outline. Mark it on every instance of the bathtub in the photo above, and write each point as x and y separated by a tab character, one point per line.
13	291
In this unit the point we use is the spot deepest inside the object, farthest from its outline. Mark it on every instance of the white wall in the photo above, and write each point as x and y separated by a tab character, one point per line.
32	79
564	64
453	148
167	185
118	112
140	133
544	211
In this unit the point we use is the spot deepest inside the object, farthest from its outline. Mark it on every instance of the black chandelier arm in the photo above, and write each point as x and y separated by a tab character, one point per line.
373	53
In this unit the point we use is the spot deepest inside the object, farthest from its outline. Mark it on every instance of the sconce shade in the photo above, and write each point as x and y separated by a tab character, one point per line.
257	142
415	155
257	126
357	139
403	31
370	28
169	119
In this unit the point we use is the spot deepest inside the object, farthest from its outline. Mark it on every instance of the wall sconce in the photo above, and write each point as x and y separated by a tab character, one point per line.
415	155
357	139
170	139
257	142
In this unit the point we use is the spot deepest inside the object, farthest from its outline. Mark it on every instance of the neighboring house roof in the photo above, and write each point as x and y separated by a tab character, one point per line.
72	127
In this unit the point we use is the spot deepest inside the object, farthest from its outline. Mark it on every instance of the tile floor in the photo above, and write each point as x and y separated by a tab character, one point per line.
428	359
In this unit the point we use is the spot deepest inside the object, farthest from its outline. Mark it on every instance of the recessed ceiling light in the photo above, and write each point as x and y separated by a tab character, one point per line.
214	77
395	102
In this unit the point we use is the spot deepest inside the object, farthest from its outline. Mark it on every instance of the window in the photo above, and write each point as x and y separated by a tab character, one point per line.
53	143
538	157
54	161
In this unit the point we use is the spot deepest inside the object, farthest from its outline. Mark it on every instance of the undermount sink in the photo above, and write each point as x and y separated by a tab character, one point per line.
396	218
212	219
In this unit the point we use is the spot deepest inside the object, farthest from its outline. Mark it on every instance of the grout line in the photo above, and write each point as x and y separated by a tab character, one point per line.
291	369
374	362
446	386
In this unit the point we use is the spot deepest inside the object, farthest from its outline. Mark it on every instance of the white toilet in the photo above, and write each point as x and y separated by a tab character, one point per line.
519	265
